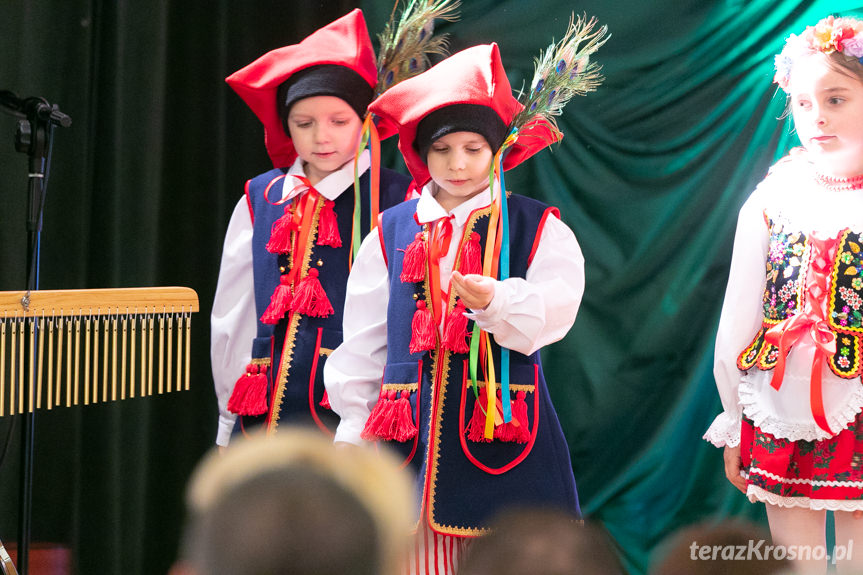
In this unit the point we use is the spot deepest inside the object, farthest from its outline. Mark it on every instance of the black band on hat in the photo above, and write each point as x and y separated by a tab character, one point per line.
475	118
325	80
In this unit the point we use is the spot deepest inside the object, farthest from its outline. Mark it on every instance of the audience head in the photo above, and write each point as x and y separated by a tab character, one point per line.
541	542
293	504
712	548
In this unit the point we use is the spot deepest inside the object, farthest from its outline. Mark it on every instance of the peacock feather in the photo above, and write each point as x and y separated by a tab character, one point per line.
562	71
405	47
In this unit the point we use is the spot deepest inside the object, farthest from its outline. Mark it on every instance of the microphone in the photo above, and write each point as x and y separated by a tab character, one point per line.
41	109
34	108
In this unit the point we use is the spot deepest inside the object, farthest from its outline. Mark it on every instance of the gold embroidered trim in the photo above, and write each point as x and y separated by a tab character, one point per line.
512	386
399	387
325	351
291	335
444	359
261	361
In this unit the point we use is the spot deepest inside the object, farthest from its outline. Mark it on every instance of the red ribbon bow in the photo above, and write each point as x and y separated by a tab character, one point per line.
810	321
441	238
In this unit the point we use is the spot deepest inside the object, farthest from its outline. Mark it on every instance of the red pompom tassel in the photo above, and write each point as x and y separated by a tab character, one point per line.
455	330
504	431
280	301
422	329
280	234
519	414
404	428
380	418
476	426
325	402
517	429
310	297
250	392
328	227
470	256
414	263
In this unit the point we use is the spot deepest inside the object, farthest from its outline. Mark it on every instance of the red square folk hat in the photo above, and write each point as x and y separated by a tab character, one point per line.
473	76
341	47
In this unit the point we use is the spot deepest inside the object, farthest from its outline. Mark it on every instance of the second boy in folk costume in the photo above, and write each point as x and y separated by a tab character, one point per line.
278	306
409	292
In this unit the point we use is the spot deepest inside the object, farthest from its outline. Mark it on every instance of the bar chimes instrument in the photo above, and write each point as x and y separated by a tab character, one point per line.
78	347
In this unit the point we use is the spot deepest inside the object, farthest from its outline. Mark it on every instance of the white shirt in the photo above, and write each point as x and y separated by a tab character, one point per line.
233	323
524	315
789	194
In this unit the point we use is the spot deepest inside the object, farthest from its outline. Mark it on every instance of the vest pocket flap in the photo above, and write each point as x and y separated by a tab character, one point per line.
511	441
522	377
402	373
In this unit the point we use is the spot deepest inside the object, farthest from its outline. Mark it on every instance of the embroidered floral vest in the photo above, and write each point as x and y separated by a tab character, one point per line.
786	268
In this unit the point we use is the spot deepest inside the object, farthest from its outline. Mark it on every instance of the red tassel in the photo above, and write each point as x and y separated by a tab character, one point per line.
310	297
404	421
386	427
280	301
519	413
504	431
280	234
250	392
455	330
476	426
517	429
325	402
470	256
328	227
374	419
422	329
414	263
380	418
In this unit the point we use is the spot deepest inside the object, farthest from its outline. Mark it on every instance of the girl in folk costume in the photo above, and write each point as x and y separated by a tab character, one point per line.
288	249
789	350
463	396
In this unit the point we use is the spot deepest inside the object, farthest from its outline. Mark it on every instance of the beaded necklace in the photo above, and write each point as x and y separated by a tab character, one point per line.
833	184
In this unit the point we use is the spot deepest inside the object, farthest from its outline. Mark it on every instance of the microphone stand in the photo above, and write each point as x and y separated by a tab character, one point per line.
34	136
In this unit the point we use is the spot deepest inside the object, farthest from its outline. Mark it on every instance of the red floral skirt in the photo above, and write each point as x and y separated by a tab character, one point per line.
825	474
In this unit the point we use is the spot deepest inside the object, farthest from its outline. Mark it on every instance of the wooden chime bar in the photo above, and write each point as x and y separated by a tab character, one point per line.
72	347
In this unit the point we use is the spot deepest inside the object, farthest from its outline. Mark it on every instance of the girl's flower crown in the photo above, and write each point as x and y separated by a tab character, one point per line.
844	35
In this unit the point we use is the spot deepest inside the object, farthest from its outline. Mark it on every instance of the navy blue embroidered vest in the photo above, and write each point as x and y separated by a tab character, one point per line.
298	345
463	482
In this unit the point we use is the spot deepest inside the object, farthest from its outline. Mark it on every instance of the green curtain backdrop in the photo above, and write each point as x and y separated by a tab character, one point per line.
650	175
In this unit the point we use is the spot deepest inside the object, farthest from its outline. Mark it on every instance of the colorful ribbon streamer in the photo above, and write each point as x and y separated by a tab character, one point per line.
495	264
368	137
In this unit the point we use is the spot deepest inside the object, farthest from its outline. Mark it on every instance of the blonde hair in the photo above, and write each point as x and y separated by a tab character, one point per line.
375	480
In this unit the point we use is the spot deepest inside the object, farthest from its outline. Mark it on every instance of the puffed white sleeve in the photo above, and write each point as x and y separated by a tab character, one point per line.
528	313
233	323
741	317
353	372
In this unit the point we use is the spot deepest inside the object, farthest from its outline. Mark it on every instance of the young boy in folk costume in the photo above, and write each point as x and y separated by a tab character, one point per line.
432	260
278	306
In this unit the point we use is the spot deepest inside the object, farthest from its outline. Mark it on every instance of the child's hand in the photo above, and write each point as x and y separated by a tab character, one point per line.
733	464
475	290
